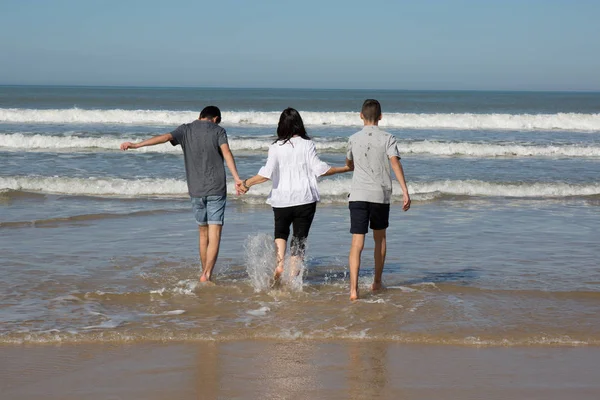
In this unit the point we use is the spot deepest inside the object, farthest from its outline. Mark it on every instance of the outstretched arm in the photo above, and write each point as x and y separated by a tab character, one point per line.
399	172
338	170
230	161
148	142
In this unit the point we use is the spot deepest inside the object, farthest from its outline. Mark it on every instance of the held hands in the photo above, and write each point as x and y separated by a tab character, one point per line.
240	187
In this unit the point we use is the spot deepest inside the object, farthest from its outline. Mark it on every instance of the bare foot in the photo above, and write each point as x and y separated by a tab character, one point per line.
276	280
376	286
278	272
353	295
204	278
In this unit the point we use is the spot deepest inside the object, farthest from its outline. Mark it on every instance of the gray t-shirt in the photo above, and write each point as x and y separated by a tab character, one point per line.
204	169
370	149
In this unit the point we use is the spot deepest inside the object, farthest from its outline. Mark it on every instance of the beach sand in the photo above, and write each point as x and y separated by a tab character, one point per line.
297	370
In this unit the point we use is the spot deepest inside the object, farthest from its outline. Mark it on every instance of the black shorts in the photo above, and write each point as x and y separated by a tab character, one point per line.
363	212
301	218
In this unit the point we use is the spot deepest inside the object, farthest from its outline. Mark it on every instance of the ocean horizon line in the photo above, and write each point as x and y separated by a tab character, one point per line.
306	89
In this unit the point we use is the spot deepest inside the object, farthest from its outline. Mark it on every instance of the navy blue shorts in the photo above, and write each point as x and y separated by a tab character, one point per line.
364	212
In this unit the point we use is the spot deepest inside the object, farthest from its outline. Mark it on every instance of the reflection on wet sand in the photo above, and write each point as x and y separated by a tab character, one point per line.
297	370
207	370
367	370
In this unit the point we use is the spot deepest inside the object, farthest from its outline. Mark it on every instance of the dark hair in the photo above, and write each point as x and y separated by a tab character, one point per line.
371	110
290	124
211	112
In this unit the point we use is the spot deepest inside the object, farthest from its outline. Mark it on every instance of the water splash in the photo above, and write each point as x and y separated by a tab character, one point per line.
260	260
293	273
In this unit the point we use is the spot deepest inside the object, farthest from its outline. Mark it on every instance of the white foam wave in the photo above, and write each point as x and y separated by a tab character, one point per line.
376	301
164	314
186	287
330	189
110	324
260	312
94	334
559	121
96	186
498	150
19	141
492	189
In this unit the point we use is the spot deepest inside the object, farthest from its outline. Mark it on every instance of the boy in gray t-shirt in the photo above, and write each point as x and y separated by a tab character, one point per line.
371	151
205	147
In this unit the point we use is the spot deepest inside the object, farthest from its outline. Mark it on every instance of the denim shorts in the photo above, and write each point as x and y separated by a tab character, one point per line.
209	210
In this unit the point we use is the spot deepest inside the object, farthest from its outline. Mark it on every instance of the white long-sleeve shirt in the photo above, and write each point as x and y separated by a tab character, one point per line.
293	167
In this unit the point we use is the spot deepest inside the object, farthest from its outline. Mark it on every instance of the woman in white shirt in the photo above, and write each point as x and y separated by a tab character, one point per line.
293	166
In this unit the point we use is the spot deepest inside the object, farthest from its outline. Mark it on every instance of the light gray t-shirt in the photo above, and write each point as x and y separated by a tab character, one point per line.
370	149
204	169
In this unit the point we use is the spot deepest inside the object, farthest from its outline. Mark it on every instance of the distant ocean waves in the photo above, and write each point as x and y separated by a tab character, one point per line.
37	142
331	190
465	121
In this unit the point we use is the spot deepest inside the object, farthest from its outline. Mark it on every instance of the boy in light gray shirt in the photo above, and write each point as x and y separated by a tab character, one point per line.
371	151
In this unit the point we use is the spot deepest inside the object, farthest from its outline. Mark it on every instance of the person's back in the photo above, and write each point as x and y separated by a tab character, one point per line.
293	166
295	171
372	179
201	142
205	147
371	151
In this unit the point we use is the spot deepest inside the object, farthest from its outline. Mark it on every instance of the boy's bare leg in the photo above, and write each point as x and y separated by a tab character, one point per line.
212	251
379	236
203	246
280	244
358	243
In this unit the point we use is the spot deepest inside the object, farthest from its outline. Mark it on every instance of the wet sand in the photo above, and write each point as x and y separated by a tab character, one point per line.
297	370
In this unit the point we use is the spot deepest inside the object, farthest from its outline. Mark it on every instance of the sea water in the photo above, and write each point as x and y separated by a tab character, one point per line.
500	247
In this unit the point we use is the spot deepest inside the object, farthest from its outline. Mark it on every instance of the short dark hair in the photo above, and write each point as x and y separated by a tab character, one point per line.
211	112
290	124
371	110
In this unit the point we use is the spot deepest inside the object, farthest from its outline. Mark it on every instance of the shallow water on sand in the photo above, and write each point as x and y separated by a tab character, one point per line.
500	246
134	277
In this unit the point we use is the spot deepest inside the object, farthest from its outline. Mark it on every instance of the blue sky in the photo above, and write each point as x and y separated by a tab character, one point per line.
426	44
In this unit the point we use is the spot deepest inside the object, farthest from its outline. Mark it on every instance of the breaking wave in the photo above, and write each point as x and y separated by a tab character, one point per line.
331	190
465	121
19	141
